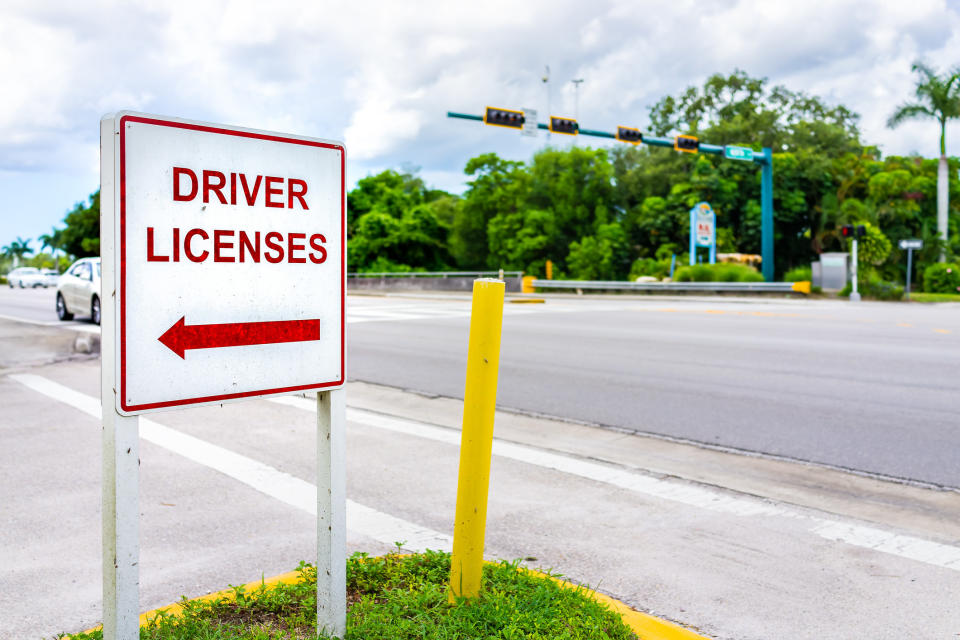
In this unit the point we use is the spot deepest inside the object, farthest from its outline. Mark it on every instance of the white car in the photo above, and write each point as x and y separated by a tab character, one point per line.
50	277
78	290
25	277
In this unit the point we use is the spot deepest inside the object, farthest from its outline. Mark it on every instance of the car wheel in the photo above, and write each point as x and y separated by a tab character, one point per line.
62	312
95	310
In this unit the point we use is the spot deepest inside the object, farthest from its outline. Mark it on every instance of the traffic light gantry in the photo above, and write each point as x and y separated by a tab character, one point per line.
514	119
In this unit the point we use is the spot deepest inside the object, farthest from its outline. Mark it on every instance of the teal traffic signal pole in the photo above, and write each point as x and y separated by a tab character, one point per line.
764	159
766	212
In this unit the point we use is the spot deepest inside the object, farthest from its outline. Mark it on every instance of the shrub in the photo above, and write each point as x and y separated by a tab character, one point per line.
723	272
649	267
798	274
876	288
942	277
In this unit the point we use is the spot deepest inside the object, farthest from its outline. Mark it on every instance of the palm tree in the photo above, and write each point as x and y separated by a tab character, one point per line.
17	249
54	240
938	97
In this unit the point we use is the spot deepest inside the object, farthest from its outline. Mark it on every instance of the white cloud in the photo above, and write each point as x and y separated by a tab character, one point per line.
382	75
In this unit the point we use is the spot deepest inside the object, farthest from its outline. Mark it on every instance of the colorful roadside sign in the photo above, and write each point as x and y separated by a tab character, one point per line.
703	231
704	220
229	258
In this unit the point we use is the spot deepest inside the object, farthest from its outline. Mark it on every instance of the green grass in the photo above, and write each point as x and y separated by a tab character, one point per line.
399	597
934	297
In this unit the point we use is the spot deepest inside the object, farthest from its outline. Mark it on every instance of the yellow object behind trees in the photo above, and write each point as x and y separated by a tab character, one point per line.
476	441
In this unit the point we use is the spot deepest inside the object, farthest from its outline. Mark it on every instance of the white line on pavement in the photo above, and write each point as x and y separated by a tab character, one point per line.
687	493
291	490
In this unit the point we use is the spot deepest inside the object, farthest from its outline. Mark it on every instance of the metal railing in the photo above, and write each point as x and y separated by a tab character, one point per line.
733	287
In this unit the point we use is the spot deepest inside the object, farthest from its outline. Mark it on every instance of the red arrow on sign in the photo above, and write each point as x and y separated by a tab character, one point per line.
181	336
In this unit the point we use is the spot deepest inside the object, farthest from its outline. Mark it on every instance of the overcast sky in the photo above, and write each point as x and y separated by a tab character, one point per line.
382	75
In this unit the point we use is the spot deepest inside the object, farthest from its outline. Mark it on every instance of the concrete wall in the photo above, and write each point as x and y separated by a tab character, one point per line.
412	283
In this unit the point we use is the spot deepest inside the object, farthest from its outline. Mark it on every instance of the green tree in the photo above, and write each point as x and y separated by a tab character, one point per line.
498	188
53	240
81	237
938	97
522	240
604	256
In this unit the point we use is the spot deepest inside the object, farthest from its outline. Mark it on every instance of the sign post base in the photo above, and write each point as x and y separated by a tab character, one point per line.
331	514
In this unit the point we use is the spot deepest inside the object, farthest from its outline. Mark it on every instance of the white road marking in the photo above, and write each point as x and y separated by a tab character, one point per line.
291	490
686	493
25	321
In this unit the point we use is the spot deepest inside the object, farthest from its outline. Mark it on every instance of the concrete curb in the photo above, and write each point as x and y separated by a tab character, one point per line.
646	626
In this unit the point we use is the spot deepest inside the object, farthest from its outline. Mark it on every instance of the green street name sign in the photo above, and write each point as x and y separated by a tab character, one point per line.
737	153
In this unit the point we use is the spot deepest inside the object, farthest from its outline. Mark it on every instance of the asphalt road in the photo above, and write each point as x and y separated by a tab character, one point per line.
870	387
33	305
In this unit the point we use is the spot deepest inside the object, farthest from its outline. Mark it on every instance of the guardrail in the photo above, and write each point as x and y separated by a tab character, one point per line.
713	287
429	280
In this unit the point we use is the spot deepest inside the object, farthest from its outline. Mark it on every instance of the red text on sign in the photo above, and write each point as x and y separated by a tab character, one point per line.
212	186
228	245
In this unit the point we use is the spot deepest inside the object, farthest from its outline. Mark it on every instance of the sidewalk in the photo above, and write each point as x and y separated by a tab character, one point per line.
729	545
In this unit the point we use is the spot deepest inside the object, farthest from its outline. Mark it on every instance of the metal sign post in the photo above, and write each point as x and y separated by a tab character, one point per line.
223	260
120	509
910	245
854	293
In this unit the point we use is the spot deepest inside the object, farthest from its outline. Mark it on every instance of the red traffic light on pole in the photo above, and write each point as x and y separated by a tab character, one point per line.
503	117
687	144
846	231
567	126
629	135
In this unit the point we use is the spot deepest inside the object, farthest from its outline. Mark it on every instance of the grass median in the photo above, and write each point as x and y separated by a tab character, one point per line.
934	297
398	597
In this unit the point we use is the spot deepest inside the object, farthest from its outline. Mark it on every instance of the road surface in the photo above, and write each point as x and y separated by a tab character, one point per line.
871	387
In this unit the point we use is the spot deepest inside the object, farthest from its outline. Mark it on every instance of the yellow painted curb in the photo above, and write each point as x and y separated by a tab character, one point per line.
176	608
527	300
646	626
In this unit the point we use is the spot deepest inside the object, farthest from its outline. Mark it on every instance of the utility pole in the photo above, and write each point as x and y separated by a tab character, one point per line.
576	97
546	81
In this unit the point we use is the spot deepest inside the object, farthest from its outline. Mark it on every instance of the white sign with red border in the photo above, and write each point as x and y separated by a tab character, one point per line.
230	255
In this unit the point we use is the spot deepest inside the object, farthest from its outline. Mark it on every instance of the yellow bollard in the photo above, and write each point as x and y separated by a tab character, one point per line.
549	270
526	285
476	441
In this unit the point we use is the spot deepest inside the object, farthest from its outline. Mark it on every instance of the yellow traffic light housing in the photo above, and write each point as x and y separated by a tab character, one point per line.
629	135
567	126
687	144
503	117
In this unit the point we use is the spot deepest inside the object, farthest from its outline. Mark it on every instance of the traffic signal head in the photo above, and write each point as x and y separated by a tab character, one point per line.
861	231
629	134
688	144
568	126
504	117
847	231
